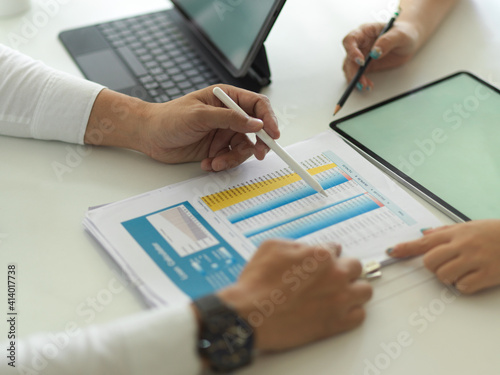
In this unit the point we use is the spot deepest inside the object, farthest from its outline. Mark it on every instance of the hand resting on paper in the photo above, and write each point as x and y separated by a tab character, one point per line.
307	291
466	255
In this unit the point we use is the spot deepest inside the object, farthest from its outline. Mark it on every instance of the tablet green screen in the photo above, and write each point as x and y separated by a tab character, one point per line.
446	137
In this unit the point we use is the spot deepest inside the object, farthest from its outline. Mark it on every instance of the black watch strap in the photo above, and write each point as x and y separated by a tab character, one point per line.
226	339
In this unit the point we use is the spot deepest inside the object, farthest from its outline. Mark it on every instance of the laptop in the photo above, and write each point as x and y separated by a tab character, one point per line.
164	55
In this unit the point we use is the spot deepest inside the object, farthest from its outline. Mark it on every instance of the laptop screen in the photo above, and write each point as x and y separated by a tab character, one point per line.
236	28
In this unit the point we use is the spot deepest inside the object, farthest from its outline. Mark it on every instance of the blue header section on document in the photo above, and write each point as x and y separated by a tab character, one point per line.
187	249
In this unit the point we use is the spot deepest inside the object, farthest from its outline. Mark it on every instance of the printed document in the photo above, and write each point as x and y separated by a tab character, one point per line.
190	239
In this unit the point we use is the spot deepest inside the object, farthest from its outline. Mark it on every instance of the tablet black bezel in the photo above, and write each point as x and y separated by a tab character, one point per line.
254	50
391	167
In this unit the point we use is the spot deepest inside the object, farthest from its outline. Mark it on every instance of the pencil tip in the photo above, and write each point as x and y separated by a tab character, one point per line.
337	108
324	193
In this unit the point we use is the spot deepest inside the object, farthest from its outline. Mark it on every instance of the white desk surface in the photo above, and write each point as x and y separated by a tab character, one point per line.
61	271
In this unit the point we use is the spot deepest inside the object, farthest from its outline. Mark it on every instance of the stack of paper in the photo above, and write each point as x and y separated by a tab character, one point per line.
192	238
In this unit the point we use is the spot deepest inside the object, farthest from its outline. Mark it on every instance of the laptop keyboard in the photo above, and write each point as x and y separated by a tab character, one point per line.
159	55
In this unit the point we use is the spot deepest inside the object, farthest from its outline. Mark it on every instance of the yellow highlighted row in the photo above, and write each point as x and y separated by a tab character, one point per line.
227	198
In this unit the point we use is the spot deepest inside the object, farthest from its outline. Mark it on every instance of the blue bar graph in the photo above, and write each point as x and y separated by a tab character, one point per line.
294	218
327	182
318	220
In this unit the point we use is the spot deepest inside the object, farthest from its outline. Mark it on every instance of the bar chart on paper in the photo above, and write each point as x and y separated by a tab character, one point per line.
182	244
281	205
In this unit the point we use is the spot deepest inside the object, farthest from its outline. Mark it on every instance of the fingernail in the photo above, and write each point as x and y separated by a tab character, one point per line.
359	86
389	251
359	61
221	166
423	230
333	247
368	88
375	53
255	123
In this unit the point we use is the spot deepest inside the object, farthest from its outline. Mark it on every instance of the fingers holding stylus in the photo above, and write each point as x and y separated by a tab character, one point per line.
257	107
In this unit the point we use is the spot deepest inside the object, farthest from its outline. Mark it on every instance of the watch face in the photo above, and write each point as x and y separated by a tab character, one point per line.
230	345
237	335
226	339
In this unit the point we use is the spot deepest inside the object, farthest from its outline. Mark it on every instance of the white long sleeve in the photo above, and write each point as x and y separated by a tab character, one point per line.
39	102
155	342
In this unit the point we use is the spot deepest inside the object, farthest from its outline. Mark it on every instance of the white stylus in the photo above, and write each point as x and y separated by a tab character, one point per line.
273	145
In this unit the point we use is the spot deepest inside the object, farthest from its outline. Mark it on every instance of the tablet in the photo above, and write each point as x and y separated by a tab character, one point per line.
442	140
234	31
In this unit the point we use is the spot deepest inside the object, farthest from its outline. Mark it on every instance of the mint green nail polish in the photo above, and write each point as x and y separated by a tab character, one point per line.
359	86
360	62
389	250
424	230
375	53
368	88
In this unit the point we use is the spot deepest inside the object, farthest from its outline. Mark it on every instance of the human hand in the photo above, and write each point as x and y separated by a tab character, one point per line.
196	127
292	294
391	50
466	255
199	127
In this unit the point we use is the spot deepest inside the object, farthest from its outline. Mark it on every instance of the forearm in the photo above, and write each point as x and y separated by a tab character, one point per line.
117	120
154	342
424	15
39	102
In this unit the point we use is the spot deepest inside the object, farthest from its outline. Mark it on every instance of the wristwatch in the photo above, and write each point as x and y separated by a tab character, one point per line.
226	340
